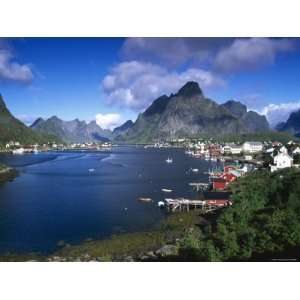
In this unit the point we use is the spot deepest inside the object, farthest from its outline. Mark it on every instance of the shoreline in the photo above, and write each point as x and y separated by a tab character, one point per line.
7	174
153	245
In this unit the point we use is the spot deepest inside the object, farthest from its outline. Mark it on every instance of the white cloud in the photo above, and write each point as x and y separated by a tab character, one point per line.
250	53
276	113
12	70
135	84
108	121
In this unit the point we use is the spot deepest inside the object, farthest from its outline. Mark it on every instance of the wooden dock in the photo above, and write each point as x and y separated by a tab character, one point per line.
183	204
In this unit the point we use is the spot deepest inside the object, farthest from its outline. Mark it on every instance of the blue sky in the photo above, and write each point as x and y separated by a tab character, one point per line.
113	79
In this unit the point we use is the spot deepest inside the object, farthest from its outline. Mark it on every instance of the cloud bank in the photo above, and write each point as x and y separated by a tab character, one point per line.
276	113
135	84
108	121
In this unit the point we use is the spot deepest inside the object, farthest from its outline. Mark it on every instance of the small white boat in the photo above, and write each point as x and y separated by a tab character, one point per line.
143	199
160	203
169	160
167	190
91	170
195	170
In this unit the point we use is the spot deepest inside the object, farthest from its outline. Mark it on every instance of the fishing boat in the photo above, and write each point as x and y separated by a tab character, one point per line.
143	199
166	190
169	160
195	170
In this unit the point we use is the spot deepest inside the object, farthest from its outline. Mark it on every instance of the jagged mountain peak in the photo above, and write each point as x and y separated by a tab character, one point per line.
191	88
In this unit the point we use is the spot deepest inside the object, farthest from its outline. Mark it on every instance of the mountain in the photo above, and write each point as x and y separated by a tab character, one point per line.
12	129
292	125
188	113
253	121
122	129
74	131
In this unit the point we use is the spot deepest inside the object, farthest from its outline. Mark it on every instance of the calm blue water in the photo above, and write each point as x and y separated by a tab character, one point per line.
56	197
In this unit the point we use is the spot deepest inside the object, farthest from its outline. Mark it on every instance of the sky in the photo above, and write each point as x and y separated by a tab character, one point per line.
111	80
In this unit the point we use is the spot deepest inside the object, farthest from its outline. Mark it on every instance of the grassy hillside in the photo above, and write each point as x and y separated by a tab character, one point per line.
11	129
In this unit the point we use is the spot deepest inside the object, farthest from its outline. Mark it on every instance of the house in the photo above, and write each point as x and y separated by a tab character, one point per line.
248	157
217	199
229	177
219	183
252	147
232	148
236	149
281	161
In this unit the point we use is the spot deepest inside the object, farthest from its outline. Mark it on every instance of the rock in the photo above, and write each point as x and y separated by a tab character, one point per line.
128	258
167	250
151	254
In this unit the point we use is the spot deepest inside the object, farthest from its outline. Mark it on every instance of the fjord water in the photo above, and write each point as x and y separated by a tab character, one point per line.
57	198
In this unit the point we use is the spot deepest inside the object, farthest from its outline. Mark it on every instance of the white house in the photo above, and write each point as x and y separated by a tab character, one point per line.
236	149
281	160
232	148
252	147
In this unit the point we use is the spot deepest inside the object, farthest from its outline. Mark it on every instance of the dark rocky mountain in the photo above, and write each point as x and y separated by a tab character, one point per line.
236	108
292	125
74	131
189	113
122	129
12	129
253	121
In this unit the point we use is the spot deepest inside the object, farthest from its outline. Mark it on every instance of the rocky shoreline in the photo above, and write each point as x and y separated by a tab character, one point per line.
7	173
161	244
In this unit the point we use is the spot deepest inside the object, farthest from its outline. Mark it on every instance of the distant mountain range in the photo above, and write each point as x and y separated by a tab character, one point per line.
188	113
74	131
11	129
292	125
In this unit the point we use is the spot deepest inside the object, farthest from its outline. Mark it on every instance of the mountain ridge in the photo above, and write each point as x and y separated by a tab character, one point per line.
74	131
188	113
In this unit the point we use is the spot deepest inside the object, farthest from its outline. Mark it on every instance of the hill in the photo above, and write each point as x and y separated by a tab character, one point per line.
12	129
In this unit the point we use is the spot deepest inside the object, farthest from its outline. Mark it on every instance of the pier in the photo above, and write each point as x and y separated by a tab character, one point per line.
183	204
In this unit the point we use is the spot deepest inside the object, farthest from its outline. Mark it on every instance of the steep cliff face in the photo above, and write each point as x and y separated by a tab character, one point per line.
189	113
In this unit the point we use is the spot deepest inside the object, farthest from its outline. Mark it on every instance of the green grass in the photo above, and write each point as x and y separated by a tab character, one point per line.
134	244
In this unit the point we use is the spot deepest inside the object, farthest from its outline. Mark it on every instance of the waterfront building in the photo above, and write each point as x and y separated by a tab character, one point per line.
252	147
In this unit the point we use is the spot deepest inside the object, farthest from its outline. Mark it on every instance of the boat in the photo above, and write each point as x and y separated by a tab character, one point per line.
195	170
214	159
160	203
166	190
143	199
169	160
91	170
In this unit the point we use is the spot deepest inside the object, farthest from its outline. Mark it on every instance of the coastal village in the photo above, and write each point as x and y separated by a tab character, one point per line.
235	160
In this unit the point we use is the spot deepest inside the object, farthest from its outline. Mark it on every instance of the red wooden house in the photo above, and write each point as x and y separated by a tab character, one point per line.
219	183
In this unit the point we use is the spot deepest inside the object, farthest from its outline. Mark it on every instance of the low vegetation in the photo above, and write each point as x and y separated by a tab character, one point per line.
172	228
